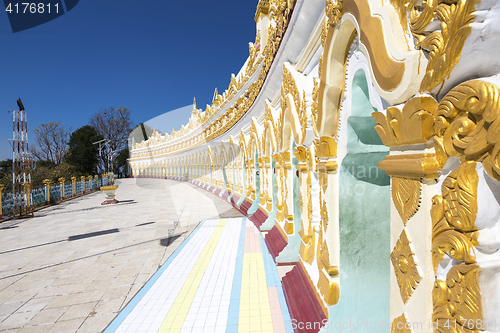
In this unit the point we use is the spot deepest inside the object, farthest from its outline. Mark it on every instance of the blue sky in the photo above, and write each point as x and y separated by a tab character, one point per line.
150	56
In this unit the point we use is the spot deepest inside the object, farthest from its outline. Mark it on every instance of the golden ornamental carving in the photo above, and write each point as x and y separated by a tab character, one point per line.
278	129
333	11
453	216
307	246
458	300
268	113
254	135
300	153
328	287
401	325
262	9
406	196
413	124
314	106
303	117
289	86
467	123
324	31
324	213
326	147
444	45
405	267
306	250
309	189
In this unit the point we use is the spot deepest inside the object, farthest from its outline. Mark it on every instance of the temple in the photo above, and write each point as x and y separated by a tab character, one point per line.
362	138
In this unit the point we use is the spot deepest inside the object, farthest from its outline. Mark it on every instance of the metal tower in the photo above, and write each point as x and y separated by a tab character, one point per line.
22	162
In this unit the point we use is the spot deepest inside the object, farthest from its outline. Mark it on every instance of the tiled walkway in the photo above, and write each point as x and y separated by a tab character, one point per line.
221	279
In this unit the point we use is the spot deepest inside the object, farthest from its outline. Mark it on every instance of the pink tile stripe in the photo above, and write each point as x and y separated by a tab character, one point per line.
278	322
252	240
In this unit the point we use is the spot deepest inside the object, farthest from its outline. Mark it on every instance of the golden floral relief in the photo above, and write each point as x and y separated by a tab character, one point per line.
406	196
468	124
444	45
401	325
405	267
411	125
453	215
457	301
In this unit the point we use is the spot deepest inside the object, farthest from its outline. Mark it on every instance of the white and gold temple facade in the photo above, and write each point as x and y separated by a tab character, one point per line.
363	138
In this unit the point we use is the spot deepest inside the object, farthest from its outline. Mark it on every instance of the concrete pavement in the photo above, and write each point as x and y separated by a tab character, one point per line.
74	266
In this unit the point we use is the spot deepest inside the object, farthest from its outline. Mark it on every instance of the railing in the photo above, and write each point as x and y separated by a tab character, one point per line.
50	194
38	196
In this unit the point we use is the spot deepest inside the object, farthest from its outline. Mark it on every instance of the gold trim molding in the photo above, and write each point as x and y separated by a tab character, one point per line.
387	71
415	166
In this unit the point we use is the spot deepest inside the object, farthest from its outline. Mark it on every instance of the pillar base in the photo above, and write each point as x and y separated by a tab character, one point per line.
109	202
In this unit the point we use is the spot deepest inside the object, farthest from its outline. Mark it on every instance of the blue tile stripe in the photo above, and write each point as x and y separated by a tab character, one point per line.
234	305
137	298
273	280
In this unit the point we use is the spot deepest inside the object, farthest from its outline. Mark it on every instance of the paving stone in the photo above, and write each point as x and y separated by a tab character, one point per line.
8	308
35	329
48	316
79	311
17	320
67	326
35	304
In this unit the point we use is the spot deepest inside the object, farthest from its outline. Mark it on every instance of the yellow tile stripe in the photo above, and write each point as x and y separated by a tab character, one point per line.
177	314
255	310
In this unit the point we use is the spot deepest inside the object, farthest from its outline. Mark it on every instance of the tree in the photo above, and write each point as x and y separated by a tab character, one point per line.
121	161
51	142
82	153
115	125
6	171
141	132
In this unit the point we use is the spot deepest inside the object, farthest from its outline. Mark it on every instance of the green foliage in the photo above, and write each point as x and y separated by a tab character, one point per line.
43	170
6	172
53	173
120	161
83	155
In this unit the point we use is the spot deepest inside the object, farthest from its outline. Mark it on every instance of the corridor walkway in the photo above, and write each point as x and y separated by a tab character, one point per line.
222	279
75	266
